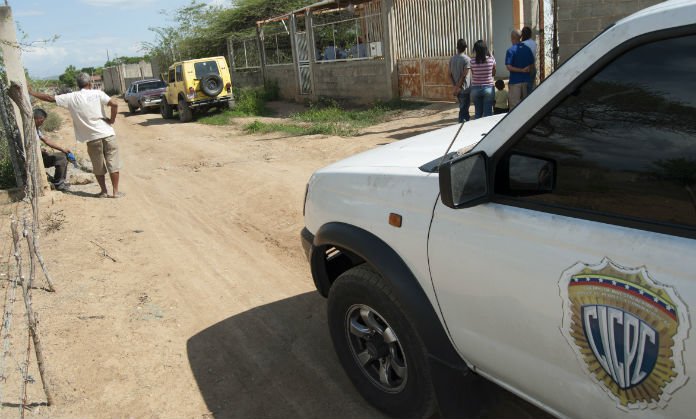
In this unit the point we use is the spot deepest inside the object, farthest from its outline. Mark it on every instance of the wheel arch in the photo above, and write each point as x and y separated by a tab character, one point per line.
450	373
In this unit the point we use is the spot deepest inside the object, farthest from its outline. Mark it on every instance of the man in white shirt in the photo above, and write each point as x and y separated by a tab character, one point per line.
93	128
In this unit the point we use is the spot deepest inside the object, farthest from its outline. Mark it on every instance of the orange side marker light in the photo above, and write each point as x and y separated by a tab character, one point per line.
394	219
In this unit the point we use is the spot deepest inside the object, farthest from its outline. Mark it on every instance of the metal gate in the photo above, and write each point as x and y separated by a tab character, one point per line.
425	36
304	70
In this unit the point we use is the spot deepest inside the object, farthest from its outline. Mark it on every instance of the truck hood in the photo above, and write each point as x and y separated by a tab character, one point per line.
421	149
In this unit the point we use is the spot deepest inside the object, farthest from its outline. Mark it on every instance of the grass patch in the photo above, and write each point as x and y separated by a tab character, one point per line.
329	118
218	118
248	102
326	117
258	127
52	123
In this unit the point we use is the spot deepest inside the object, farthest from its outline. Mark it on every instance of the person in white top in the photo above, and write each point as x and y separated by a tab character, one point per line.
528	41
94	128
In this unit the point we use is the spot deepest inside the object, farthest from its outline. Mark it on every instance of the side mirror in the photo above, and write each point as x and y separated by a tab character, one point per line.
464	181
530	175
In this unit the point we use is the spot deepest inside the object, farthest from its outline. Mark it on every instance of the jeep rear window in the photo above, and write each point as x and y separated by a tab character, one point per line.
206	67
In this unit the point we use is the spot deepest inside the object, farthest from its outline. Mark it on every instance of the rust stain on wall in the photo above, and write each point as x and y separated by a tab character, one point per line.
410	82
436	71
426	78
410	86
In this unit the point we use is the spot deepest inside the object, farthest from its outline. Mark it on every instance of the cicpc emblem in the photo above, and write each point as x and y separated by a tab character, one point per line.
627	330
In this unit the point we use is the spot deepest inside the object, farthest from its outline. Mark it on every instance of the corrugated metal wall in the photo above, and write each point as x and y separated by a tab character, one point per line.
431	28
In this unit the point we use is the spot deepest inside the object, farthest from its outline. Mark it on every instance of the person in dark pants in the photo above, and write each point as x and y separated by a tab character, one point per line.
459	67
57	160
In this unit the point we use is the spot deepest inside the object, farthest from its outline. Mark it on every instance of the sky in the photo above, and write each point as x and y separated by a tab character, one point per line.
87	29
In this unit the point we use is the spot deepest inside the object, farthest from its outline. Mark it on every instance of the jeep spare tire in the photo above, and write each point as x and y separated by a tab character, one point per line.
211	84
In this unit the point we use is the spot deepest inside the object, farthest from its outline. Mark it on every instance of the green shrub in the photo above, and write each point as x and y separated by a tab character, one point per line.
271	91
52	123
218	118
249	102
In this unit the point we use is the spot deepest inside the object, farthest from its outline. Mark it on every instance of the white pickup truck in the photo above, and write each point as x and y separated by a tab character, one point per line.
555	254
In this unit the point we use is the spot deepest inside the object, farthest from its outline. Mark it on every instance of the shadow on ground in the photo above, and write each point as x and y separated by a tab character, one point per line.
277	361
158	121
410	131
274	361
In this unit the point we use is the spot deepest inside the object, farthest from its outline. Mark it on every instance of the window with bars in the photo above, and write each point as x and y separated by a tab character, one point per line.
350	33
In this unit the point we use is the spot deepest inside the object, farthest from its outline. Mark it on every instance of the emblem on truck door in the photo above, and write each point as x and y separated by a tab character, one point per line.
627	330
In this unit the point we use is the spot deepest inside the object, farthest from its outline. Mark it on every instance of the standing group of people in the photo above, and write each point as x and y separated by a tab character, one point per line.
340	52
473	77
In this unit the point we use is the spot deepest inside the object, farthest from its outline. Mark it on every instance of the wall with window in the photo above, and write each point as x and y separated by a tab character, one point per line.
581	20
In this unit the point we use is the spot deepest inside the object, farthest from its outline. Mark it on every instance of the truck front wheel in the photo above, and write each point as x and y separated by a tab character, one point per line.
377	346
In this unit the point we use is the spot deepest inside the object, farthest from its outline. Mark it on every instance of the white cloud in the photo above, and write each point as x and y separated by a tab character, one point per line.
52	59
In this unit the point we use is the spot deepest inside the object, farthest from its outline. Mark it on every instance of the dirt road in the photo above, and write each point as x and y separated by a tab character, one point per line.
191	297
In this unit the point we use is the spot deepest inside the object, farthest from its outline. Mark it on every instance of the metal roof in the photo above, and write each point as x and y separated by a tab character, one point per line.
326	5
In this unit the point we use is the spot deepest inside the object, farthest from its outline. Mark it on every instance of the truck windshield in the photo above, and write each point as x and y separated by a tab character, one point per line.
206	67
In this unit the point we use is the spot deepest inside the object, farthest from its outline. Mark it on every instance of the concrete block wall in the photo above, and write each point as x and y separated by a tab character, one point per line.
112	81
359	81
286	77
581	20
247	78
120	77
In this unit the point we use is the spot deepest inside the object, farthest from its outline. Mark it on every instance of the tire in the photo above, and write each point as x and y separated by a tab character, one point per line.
166	110
185	114
366	322
132	109
211	85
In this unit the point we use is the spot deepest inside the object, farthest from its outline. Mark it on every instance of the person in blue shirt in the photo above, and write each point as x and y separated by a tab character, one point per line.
330	51
519	60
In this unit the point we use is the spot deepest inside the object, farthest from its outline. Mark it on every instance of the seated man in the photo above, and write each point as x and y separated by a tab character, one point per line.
57	160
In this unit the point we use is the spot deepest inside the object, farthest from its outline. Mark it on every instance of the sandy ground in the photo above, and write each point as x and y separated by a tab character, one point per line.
201	304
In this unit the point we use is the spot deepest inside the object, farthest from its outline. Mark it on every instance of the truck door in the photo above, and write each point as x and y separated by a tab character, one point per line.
579	298
171	87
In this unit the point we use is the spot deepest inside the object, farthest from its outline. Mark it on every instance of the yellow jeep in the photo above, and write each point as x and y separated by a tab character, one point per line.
194	85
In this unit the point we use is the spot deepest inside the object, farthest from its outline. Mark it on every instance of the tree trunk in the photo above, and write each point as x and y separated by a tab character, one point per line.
10	133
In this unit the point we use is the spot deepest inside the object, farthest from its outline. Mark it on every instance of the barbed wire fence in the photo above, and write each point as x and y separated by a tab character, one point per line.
21	255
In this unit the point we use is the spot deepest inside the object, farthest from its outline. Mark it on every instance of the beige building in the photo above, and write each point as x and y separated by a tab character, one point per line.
118	78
